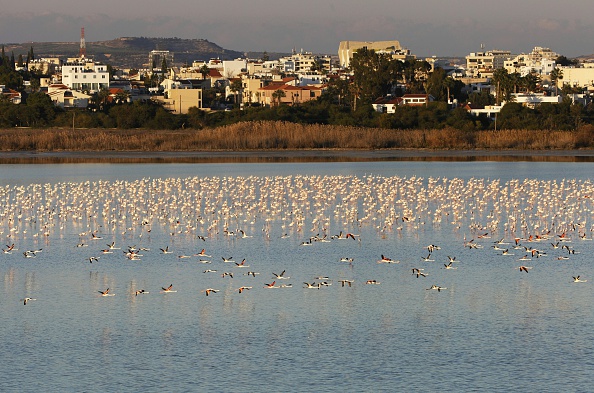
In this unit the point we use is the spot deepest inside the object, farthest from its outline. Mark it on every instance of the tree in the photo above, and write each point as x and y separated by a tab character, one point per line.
205	71
39	110
163	68
20	61
375	75
122	97
565	62
338	92
556	75
449	83
277	96
236	87
530	82
504	85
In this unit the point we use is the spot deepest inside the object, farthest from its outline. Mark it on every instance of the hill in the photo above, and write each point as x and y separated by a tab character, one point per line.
131	52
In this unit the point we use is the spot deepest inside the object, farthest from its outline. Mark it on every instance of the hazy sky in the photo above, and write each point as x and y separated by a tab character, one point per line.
426	27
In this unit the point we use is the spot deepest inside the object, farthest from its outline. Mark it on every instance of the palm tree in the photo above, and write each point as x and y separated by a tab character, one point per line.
448	83
556	75
278	95
236	87
505	85
205	71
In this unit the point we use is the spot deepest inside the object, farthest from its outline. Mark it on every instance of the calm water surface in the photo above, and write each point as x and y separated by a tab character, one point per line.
493	329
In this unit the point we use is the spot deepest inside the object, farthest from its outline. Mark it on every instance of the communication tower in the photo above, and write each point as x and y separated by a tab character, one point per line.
83	46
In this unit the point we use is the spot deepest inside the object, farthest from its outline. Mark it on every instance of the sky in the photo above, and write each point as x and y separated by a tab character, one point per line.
427	27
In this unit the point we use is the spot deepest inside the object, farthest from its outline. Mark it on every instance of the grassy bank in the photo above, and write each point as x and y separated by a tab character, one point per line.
282	135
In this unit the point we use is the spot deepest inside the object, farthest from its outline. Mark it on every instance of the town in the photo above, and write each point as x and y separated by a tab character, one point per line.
371	84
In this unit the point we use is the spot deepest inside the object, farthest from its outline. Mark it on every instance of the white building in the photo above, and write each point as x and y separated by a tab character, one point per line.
540	60
233	68
531	100
312	78
85	75
62	96
577	77
303	62
480	63
347	49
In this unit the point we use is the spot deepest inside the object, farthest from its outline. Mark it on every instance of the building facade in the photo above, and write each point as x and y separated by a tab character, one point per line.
480	63
347	49
85	75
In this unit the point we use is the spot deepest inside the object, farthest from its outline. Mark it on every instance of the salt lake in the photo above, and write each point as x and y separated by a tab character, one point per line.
491	326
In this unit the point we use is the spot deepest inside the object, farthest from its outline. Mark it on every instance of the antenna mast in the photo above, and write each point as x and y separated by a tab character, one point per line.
83	46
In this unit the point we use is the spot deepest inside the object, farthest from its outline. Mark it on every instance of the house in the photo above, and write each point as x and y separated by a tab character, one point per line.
488	110
417	99
11	95
386	104
180	100
531	100
290	95
116	95
389	104
64	97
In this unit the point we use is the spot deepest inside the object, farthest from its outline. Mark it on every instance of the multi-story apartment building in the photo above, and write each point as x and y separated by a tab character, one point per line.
85	75
540	60
304	62
155	58
577	76
480	63
347	49
44	66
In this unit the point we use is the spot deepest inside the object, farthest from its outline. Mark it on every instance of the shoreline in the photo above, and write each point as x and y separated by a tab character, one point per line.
313	155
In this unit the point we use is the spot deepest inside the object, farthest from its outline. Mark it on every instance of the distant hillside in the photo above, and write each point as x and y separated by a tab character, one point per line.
132	52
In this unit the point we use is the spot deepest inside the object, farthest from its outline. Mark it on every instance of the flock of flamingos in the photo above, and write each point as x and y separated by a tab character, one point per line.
523	219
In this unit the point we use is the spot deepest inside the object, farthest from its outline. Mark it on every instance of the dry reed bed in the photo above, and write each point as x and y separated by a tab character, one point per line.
283	135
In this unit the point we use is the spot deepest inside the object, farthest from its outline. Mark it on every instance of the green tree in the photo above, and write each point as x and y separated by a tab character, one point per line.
481	99
504	84
236	87
205	71
556	75
39	110
565	62
530	82
449	83
374	75
277	96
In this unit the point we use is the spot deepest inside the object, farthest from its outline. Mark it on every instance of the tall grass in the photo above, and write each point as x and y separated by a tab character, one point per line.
261	135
